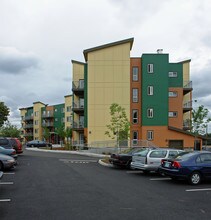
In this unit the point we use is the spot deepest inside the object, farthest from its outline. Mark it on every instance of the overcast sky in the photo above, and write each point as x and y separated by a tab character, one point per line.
39	38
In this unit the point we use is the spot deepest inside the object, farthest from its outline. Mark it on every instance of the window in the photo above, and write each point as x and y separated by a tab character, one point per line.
36	114
68	108
150	90
150	112
135	95
172	114
135	116
56	119
36	122
172	94
135	73
62	110
55	110
172	74
150	68
68	118
135	137
36	131
150	135
63	120
158	154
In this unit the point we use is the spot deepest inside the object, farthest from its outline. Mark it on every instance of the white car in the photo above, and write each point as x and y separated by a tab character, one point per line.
150	159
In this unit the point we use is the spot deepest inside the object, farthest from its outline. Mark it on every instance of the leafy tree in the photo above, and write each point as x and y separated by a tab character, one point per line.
119	126
9	130
68	135
4	113
200	120
61	132
46	133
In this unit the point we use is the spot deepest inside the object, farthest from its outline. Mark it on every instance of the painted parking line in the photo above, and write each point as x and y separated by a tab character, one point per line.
197	190
160	179
6	183
78	161
5	200
9	173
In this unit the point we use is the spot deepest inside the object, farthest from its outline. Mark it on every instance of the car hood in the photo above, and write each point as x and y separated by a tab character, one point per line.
5	157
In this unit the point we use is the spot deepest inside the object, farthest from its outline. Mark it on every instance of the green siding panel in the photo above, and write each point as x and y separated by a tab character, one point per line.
176	81
58	115
85	97
159	80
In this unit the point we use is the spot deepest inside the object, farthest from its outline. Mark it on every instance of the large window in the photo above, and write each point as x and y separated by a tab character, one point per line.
135	137
150	135
135	73
68	108
135	116
172	74
135	95
150	68
150	112
172	94
172	114
149	90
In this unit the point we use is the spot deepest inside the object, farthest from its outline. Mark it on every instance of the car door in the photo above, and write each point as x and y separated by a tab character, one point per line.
206	165
155	157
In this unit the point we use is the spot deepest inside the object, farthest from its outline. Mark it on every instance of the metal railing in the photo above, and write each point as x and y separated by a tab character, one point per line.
187	85
78	85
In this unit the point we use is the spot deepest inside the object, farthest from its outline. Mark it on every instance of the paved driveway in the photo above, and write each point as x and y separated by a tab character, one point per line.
58	186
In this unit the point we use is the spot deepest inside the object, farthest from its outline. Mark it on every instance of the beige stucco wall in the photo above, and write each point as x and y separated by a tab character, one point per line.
108	82
68	102
78	71
37	108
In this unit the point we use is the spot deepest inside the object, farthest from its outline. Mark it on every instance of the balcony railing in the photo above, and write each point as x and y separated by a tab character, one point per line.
28	118
187	124
78	87
78	125
187	106
47	124
47	115
28	126
78	107
29	134
187	87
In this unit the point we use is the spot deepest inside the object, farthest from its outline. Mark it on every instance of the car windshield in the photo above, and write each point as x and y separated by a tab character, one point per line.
143	153
184	155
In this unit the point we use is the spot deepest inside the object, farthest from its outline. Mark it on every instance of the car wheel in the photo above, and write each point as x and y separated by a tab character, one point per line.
195	178
1	166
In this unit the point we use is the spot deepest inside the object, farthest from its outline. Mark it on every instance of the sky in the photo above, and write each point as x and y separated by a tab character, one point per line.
39	38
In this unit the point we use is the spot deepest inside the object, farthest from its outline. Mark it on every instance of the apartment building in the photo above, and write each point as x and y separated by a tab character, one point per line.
156	94
39	117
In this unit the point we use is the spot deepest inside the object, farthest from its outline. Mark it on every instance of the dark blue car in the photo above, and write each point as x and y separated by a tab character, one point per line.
193	166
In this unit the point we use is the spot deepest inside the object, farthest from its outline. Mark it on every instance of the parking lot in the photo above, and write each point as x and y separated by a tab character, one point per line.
60	186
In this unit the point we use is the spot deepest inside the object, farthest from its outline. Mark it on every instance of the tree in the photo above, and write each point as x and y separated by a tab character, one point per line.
46	133
4	113
61	132
68	135
119	127
9	130
200	120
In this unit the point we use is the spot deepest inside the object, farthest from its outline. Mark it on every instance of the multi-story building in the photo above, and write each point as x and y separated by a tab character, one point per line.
40	116
156	94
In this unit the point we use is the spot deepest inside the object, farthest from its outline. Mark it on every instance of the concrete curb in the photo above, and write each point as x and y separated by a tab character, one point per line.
67	152
104	164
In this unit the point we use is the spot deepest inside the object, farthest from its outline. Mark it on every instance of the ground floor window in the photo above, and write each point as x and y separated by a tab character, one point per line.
150	135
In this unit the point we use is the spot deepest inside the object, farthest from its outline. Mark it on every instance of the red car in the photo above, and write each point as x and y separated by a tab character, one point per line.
16	145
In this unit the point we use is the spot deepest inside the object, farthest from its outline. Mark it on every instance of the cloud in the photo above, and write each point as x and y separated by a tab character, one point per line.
13	61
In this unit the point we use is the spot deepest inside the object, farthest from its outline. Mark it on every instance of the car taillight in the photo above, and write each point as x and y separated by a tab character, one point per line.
14	152
162	161
176	164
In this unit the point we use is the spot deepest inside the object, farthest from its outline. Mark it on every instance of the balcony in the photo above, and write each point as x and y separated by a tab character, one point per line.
187	87
187	125
78	108
28	126
78	126
47	114
47	124
187	107
78	88
28	134
28	118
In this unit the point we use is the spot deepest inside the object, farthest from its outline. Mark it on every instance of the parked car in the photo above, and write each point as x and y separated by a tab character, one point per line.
6	143
124	158
6	162
16	144
9	152
150	159
193	166
36	143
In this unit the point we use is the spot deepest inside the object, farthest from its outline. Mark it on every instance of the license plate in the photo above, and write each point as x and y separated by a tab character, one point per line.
167	164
